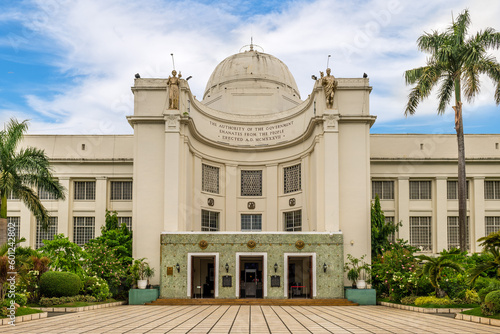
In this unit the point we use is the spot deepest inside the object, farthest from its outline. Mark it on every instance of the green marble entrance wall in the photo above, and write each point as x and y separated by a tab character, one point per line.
175	247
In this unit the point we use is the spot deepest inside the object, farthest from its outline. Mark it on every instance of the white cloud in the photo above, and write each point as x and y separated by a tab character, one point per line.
101	44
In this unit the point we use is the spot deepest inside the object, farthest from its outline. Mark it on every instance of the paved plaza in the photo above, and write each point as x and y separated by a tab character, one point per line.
248	319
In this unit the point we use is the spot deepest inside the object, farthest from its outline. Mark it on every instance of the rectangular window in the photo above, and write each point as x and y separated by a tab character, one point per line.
45	195
292	179
392	236
492	225
209	220
251	222
251	183
421	233
127	221
84	190
384	189
293	221
453	189
491	189
48	234
12	197
420	189
83	230
121	190
16	223
453	237
210	179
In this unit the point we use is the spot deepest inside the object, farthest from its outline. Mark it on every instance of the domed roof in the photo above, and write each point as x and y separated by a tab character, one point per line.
259	76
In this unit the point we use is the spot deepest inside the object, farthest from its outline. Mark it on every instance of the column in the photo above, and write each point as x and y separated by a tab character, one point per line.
441	215
231	189
273	219
101	199
404	207
63	214
477	213
171	173
332	186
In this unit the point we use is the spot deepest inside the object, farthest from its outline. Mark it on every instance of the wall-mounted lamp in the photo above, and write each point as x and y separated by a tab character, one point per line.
275	267
227	267
324	267
178	267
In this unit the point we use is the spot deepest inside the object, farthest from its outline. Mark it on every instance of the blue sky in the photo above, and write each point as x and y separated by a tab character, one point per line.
67	65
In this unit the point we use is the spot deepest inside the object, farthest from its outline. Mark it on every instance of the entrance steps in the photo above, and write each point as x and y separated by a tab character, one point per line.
254	301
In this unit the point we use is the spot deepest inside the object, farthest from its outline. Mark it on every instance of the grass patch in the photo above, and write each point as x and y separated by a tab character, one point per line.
477	312
24	311
432	305
76	304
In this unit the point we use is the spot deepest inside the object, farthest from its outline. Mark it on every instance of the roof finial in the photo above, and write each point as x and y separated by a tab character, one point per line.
173	64
251	43
328	60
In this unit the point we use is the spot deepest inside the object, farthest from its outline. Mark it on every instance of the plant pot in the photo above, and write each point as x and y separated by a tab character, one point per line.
361	284
142	283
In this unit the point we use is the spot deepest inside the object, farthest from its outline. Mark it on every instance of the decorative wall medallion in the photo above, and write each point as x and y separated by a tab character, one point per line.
203	244
292	202
300	244
251	205
210	201
251	244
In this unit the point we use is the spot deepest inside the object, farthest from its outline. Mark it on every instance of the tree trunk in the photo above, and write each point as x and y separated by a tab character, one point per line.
3	206
462	180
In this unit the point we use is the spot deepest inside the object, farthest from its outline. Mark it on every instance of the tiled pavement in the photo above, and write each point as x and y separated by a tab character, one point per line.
248	319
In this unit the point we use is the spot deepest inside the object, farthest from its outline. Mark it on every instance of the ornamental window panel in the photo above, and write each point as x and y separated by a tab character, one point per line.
210	179
84	191
121	190
251	183
209	221
453	233
14	222
83	230
45	195
452	189
491	224
384	189
421	233
125	220
293	220
420	189
292	179
48	234
251	222
491	189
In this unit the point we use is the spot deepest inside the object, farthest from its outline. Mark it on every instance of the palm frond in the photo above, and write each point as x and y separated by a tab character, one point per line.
13	134
425	78
460	26
445	93
31	200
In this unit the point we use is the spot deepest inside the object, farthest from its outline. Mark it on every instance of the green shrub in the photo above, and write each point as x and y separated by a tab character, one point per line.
472	297
492	302
95	286
433	300
408	300
64	300
19	298
59	284
489	285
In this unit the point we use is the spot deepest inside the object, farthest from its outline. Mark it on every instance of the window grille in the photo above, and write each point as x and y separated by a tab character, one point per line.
293	221
420	189
391	237
491	189
209	220
85	190
127	221
384	189
16	221
421	233
251	183
292	178
453	233
210	179
48	234
45	195
492	225
251	222
121	190
83	230
452	189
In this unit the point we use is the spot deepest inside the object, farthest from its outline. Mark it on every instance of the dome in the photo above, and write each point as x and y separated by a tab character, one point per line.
251	82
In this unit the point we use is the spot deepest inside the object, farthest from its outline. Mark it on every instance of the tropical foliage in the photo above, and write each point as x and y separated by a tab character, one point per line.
25	169
381	229
433	268
455	64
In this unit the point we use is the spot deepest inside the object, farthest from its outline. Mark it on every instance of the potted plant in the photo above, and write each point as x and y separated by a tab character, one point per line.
355	269
149	273
141	272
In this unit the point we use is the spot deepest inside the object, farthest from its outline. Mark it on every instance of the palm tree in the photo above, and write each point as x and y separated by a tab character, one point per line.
433	268
491	245
455	63
25	169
